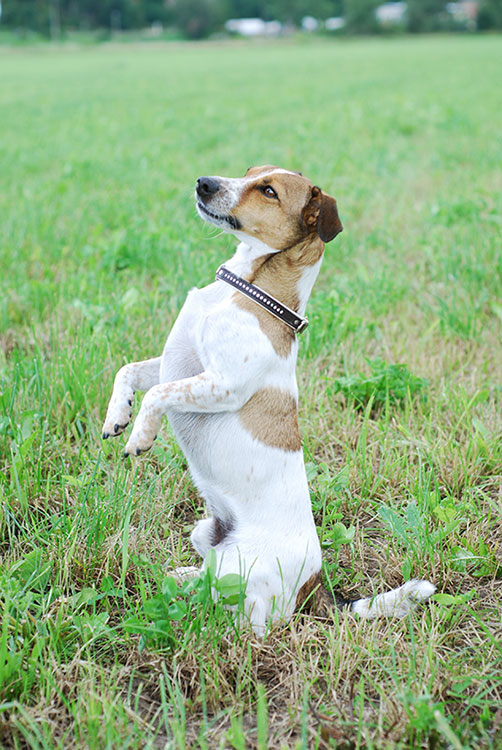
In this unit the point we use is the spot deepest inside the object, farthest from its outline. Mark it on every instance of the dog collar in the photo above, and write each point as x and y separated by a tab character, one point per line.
272	305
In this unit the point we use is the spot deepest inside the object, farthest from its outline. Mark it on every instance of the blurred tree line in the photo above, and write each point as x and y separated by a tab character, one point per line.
199	18
194	17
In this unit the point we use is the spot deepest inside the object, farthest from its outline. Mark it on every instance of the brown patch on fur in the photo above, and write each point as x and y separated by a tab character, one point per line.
275	221
270	416
298	208
315	598
220	531
280	273
279	276
308	587
280	335
258	170
321	215
328	224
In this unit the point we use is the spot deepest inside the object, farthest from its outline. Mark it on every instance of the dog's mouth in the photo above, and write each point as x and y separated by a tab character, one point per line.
217	219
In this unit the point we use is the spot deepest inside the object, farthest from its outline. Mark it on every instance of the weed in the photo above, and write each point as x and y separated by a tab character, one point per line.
387	384
195	602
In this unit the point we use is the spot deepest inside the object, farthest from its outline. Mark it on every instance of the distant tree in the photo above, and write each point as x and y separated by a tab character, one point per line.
426	15
292	11
48	15
360	16
26	14
198	18
337	8
115	14
246	9
490	15
155	10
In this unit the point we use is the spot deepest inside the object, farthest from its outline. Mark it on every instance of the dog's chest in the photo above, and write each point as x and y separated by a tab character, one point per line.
181	357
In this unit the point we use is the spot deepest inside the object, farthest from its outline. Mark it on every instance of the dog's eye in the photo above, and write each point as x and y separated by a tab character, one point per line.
269	191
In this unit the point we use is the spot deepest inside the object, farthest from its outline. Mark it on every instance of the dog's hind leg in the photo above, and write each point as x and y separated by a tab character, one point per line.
202	536
210	532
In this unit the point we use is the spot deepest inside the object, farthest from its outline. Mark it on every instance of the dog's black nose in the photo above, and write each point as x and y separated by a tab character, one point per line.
207	186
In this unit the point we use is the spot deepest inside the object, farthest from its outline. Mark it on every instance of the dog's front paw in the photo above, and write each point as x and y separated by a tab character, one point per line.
142	436
118	415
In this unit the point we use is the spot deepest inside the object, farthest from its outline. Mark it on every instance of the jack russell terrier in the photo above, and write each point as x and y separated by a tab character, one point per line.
226	380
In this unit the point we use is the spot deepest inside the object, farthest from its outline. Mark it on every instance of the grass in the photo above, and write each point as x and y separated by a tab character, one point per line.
99	151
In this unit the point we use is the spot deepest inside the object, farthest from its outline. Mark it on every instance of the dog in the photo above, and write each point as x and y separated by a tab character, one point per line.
226	381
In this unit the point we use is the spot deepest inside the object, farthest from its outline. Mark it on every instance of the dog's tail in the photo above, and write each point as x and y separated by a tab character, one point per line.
394	603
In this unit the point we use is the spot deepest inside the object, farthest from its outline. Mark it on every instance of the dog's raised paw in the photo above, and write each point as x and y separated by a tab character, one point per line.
117	418
117	429
135	447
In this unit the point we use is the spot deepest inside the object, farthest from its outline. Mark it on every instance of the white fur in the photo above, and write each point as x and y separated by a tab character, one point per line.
215	358
395	603
305	285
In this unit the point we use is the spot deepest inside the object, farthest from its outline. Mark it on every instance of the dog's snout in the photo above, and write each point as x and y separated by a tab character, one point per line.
207	186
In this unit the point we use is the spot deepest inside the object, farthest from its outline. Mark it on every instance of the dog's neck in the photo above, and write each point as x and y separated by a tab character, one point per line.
288	275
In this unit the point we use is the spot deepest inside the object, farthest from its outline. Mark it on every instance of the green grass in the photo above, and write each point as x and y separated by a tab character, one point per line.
99	243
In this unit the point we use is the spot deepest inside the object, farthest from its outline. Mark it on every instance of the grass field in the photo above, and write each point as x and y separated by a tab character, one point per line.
99	151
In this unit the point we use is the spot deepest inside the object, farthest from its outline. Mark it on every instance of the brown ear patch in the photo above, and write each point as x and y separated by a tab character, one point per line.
321	214
328	223
312	209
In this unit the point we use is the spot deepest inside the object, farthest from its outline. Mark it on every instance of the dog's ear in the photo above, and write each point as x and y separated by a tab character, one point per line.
321	212
328	223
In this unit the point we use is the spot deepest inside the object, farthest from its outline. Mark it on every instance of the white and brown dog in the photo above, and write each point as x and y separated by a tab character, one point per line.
226	381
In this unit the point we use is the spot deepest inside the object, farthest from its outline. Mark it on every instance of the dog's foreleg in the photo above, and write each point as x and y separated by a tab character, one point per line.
204	393
136	376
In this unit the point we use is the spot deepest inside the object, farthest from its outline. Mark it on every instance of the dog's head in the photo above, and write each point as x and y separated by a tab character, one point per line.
275	206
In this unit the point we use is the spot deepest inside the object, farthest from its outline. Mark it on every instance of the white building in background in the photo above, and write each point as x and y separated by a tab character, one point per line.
334	24
309	23
393	14
464	11
389	14
253	27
